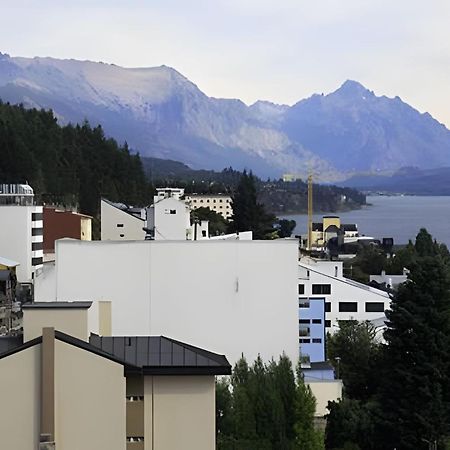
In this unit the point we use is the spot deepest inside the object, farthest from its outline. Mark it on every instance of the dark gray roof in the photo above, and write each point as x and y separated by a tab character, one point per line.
324	365
147	355
349	227
57	305
159	355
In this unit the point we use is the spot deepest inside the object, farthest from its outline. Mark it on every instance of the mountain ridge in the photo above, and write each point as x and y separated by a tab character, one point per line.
161	113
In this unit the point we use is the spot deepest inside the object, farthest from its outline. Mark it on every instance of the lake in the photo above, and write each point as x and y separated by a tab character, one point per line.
397	217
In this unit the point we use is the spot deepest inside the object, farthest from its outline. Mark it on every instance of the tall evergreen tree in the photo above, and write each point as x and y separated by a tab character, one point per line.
415	391
248	214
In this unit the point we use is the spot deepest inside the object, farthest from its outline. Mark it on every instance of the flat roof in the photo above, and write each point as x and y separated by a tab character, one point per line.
57	305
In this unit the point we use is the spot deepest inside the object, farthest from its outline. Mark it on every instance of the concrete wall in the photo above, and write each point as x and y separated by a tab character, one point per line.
118	225
231	297
90	402
324	392
70	321
16	238
45	283
182	403
20	379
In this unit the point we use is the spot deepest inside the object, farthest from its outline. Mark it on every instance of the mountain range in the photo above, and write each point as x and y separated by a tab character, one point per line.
160	113
408	180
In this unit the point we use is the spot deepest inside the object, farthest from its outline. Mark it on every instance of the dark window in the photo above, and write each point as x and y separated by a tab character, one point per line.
317	341
304	341
327	307
36	261
120	225
37	232
301	289
374	307
121	235
203	233
303	303
37	246
304	321
317	321
323	289
328	323
304	331
348	307
36	216
173	211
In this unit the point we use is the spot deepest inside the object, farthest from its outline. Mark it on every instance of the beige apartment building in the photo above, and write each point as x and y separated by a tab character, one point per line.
219	203
71	392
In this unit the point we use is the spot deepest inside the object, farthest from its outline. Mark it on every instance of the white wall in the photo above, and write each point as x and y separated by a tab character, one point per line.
170	218
229	297
111	216
16	237
45	283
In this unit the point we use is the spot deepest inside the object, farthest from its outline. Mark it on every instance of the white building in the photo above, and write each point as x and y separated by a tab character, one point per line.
21	229
344	299
169	218
219	203
235	297
120	222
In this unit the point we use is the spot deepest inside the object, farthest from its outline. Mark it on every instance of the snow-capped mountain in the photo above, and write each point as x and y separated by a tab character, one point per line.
161	113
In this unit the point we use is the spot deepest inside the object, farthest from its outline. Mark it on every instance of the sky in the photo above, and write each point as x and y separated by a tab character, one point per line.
281	51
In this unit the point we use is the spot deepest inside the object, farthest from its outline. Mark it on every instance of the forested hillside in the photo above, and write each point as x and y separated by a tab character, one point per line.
73	165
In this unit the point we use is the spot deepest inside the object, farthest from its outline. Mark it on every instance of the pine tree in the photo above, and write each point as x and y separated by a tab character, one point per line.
248	214
415	390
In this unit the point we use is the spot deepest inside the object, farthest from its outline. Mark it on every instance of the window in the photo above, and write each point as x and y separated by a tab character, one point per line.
317	321
37	232
36	216
304	341
203	233
121	235
304	321
36	261
301	289
374	307
317	341
303	303
214	201
173	211
201	200
195	200
324	289
348	307
327	307
37	246
303	332
220	200
119	225
328	323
